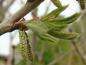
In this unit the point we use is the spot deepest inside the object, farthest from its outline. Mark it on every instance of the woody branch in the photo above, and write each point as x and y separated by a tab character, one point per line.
7	26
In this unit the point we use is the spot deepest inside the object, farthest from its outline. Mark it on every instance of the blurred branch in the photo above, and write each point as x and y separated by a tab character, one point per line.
31	0
41	55
47	8
82	4
77	50
70	59
1	11
79	53
8	5
13	55
34	38
4	9
34	13
6	26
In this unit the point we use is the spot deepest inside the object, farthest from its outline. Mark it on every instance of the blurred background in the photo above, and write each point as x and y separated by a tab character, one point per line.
61	53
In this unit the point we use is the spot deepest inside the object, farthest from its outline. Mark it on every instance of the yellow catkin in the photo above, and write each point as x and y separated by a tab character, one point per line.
25	46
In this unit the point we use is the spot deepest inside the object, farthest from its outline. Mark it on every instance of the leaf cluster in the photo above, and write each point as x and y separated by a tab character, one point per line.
49	31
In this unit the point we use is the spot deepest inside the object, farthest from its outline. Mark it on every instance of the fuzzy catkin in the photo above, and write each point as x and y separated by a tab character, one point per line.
25	46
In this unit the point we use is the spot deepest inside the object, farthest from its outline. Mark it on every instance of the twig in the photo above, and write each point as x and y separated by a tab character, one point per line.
79	53
13	55
82	4
34	38
77	50
6	26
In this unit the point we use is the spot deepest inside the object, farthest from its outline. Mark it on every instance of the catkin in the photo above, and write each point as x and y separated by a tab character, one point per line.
25	46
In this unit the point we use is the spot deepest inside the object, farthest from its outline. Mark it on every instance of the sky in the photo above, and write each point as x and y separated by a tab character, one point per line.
4	39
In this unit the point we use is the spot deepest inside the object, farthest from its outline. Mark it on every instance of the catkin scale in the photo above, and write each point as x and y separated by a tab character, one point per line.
25	46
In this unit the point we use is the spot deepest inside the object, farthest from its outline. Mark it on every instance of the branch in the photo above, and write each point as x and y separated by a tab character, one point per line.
82	4
77	49
6	26
34	38
4	9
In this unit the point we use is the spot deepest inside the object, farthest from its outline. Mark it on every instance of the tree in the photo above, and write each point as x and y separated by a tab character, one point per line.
48	37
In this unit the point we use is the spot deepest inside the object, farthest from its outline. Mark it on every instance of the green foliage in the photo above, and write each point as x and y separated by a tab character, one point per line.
40	30
63	35
54	13
52	26
22	62
52	42
68	20
63	45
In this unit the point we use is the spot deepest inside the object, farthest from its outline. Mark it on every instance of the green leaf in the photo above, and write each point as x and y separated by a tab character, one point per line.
55	12
55	23
64	35
55	26
25	46
41	31
68	20
57	3
59	25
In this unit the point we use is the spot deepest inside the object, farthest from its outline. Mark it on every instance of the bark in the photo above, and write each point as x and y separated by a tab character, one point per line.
6	26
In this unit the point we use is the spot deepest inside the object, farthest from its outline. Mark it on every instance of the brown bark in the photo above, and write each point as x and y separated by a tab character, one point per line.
6	26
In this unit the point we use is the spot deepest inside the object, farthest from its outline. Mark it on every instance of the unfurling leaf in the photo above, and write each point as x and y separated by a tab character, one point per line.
67	20
25	46
44	25
55	26
60	24
57	3
41	31
54	13
64	35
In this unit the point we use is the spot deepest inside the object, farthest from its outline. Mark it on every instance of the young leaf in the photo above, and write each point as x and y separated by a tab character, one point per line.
41	32
59	25
70	19
55	12
57	3
55	26
65	20
64	35
25	46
